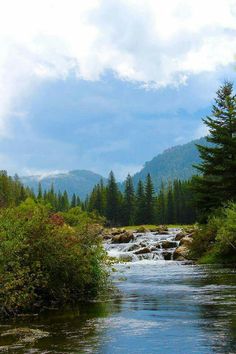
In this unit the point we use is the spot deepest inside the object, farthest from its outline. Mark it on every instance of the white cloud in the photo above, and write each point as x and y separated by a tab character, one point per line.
153	42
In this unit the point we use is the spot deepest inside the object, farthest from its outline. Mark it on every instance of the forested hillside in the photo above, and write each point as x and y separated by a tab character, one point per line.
174	163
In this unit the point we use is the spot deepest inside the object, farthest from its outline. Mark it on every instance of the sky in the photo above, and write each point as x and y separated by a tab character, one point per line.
108	84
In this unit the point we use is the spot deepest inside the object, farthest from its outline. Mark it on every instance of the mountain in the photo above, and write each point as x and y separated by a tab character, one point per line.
173	163
80	182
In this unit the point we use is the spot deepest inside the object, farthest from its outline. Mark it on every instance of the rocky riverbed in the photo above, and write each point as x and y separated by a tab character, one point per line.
159	243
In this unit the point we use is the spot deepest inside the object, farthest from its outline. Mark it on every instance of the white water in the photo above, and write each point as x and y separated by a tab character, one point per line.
151	242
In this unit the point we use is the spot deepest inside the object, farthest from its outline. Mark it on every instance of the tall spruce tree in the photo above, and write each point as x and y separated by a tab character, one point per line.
73	203
218	166
170	206
113	200
149	201
161	205
140	204
129	202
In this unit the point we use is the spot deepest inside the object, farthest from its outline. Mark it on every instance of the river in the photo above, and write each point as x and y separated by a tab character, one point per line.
163	307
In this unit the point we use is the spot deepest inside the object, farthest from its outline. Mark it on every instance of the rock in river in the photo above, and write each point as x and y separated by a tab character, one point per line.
123	238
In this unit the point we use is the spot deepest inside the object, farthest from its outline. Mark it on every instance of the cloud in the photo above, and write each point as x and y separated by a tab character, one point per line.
153	43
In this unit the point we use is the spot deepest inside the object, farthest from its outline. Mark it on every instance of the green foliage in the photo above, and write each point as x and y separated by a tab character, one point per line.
172	205
113	203
140	204
149	213
78	217
216	241
44	262
218	160
128	208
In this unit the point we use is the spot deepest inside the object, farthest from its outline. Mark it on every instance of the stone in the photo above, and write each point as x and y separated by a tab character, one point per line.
142	230
168	244
123	238
186	241
180	235
143	251
167	255
181	253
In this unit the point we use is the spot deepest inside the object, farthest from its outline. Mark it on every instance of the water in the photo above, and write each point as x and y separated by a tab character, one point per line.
164	307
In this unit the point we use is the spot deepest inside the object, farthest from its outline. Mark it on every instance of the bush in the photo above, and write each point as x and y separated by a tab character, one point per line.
44	262
216	241
77	217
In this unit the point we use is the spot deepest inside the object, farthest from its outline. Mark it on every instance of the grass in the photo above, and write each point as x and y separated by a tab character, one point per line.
150	226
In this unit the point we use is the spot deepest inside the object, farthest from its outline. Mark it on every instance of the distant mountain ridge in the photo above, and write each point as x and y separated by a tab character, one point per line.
80	182
174	163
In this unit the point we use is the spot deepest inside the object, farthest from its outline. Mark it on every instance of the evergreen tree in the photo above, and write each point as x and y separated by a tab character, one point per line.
40	192
161	206
140	204
73	203
65	202
218	166
149	201
78	201
129	202
113	199
170	206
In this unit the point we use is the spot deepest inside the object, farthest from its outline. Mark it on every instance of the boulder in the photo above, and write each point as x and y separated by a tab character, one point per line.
123	238
186	241
142	230
181	253
143	251
168	244
167	255
180	235
114	231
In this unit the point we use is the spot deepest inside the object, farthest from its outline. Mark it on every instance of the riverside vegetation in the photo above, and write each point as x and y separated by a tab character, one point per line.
50	249
47	259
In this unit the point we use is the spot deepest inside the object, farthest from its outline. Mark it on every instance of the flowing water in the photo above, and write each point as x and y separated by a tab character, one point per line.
165	307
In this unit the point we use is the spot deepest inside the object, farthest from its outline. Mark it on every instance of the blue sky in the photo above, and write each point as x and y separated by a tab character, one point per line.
108	84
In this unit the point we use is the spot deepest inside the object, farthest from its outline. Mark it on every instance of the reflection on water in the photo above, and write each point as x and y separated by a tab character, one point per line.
166	307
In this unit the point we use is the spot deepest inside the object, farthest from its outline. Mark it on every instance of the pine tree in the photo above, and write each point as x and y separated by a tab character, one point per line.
129	202
218	166
73	203
149	201
113	200
161	206
65	202
40	192
78	201
170	206
140	204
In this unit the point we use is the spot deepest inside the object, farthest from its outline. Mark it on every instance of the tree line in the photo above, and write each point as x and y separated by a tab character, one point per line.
172	204
13	192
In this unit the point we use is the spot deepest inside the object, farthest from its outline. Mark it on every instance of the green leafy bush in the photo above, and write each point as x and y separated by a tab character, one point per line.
216	241
44	262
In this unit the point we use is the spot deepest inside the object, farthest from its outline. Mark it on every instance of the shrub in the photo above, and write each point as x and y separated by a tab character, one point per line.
44	262
216	241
